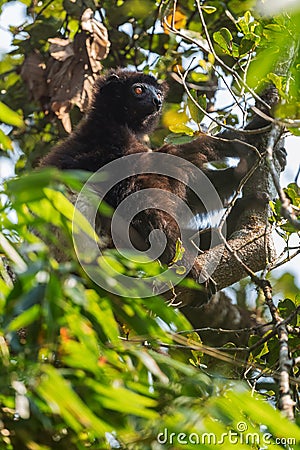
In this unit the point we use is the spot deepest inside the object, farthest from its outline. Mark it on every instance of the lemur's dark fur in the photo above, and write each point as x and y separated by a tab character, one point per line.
127	105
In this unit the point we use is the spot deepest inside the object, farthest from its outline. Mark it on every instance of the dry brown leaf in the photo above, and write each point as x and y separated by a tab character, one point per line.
71	69
99	44
95	63
66	83
59	80
34	75
62	109
61	49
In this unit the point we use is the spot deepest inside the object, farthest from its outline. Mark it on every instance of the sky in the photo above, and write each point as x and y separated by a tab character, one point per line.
13	13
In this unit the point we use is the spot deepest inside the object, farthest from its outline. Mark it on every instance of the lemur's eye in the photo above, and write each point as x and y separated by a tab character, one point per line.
138	90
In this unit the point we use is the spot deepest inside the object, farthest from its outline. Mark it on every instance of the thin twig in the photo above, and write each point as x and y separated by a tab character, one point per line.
43	8
235	74
291	123
153	29
286	208
297	175
286	403
183	77
225	330
240	188
278	263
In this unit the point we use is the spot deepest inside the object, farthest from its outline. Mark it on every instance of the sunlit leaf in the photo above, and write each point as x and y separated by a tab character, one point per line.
179	252
125	400
199	77
209	9
182	129
30	186
178	138
178	20
293	192
224	39
173	117
197	114
10	117
25	319
103	313
271	52
11	253
294	131
5	141
54	388
266	414
276	80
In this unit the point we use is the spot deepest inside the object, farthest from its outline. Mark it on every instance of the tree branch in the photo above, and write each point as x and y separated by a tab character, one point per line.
286	403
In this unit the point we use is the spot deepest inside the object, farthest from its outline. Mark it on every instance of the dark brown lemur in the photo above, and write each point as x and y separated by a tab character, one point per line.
127	105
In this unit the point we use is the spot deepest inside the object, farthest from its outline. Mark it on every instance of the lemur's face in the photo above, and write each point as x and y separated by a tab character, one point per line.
133	99
144	100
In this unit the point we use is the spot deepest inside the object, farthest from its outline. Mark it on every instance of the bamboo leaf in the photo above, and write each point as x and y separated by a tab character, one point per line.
10	117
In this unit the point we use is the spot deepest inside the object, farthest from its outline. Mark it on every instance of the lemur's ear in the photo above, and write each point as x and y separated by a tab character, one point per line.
107	82
111	78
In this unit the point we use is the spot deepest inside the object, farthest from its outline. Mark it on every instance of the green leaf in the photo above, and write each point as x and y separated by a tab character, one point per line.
121	399
209	9
103	314
180	270
196	113
30	186
178	139
179	252
243	26
25	319
245	46
268	55
286	308
199	77
7	247
264	413
44	209
58	393
247	17
274	27
294	131
286	285
277	81
10	117
5	141
293	192
288	110
261	350
77	355
182	129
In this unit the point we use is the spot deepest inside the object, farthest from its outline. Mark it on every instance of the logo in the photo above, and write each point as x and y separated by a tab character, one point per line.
106	270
